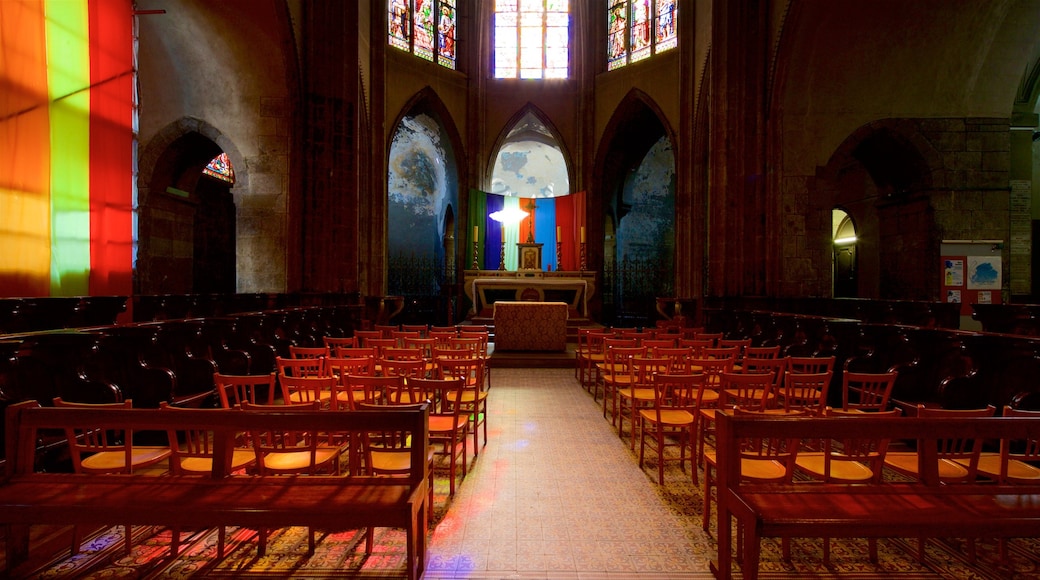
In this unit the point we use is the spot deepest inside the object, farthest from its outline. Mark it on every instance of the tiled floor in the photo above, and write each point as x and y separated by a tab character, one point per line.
556	494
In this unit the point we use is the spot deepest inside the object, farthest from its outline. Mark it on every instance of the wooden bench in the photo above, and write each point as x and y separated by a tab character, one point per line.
918	509
324	502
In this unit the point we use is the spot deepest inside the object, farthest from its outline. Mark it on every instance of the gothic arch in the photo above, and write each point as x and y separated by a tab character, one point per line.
171	197
883	176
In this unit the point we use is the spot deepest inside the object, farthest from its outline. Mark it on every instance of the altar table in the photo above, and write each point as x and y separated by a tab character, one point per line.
540	326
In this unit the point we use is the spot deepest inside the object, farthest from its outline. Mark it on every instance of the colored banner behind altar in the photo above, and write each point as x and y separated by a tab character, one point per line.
66	133
549	220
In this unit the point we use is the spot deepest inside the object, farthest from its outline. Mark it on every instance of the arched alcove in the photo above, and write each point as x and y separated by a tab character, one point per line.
422	197
638	187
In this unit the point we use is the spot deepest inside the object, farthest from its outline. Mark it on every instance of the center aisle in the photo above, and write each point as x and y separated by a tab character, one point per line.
556	494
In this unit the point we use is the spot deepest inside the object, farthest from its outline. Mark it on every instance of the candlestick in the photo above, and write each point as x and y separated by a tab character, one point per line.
559	254
559	234
476	233
582	245
502	254
583	234
476	264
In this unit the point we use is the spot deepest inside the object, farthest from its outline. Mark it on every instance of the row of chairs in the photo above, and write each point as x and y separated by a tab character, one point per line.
190	452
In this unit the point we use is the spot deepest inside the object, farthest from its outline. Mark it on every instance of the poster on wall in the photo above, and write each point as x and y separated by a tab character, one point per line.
983	272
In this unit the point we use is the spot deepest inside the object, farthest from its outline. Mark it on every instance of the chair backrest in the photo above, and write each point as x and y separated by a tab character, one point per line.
422	329
380	344
810	364
386	330
678	357
112	448
1027	450
436	391
652	344
354	390
964	450
306	389
713	368
617	341
473	343
776	367
867	391
618	358
425	345
332	342
642	370
807	391
729	352
679	391
402	353
759	352
300	367
355	351
443	337
741	345
411	367
714	337
697	344
237	389
361	335
339	366
473	329
471	370
401	335
749	391
307	351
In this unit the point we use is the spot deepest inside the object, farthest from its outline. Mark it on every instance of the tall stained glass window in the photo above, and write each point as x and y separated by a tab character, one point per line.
425	28
532	39
637	29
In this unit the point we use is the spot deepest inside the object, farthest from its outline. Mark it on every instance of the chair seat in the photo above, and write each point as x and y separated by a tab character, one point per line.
467	396
300	460
760	470
669	417
638	394
906	462
847	471
114	461
240	458
395	461
447	423
1018	471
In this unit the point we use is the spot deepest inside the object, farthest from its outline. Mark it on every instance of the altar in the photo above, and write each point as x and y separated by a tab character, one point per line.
485	287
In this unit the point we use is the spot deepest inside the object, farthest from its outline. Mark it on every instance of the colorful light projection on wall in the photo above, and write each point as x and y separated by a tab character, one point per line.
66	133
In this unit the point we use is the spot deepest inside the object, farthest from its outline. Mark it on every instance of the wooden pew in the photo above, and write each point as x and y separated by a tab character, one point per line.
919	509
30	497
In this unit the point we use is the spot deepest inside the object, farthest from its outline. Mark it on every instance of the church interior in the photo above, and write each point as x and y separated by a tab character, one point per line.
194	192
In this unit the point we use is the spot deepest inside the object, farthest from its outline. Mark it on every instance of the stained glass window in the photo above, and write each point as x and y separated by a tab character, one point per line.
532	39
220	168
426	28
637	29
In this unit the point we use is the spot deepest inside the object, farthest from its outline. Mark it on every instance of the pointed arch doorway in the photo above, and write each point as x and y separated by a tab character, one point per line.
846	281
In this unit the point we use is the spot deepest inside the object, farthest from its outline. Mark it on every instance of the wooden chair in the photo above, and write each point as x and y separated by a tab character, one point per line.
104	450
354	351
958	457
866	391
422	329
761	461
671	420
749	391
857	460
448	424
386	330
234	390
697	344
402	335
351	391
472	397
350	365
761	352
615	373
389	452
588	353
360	336
741	344
639	392
191	453
291	453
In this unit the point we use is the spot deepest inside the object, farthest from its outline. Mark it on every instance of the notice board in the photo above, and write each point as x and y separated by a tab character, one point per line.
972	272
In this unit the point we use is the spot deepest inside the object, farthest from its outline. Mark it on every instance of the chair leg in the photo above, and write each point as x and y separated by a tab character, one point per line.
706	516
221	542
128	538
